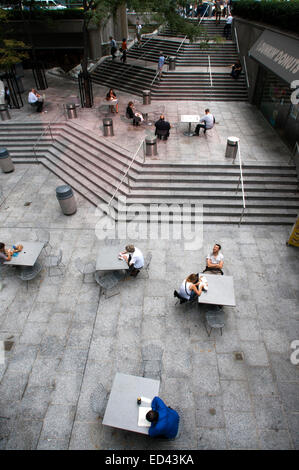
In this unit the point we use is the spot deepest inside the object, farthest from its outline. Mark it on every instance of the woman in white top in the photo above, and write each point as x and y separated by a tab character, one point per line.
188	289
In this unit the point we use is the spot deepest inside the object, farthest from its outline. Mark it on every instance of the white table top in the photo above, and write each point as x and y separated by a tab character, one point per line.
107	259
122	408
190	118
28	256
110	102
220	290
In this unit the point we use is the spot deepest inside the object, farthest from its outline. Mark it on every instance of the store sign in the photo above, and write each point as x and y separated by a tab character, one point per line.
278	53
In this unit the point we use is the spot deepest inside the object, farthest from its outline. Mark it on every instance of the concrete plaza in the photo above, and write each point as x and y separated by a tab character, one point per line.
64	339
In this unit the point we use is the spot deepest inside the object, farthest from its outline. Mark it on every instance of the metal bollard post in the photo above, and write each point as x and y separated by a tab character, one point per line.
71	111
151	146
66	199
6	163
108	127
232	147
171	63
4	113
146	96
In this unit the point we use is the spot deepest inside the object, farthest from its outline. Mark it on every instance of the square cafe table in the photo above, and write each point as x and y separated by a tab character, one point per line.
220	290
107	259
189	118
28	255
110	103
122	409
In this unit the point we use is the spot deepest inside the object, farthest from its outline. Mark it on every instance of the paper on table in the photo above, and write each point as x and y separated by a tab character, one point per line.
146	400
142	421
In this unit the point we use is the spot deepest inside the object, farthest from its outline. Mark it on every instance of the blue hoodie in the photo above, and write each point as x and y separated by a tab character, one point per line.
168	421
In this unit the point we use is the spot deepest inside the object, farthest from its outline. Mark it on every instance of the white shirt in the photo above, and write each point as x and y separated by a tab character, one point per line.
229	20
185	290
215	259
137	259
209	120
32	98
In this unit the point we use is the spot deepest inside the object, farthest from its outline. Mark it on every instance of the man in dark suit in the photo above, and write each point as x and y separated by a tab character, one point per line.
162	127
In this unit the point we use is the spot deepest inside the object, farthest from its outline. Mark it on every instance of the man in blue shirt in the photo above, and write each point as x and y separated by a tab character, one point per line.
161	64
165	420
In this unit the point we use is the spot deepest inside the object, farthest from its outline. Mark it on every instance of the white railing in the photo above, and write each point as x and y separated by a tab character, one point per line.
203	14
180	45
241	181
158	72
210	71
246	74
237	42
126	174
294	153
48	128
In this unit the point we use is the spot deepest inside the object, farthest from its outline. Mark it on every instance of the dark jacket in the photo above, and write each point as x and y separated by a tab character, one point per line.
162	125
168	422
130	112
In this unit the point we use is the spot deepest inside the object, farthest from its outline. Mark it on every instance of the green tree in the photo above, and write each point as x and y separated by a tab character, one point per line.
11	50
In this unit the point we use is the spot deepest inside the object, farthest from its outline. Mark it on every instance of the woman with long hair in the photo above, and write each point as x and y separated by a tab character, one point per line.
189	288
112	96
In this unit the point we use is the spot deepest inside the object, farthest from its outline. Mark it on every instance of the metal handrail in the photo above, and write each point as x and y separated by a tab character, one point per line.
139	58
210	71
181	45
114	143
46	130
236	36
142	45
242	183
158	73
246	74
154	79
126	174
203	15
294	152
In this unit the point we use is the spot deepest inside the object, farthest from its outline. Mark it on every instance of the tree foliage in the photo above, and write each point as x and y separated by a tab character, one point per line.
11	51
279	13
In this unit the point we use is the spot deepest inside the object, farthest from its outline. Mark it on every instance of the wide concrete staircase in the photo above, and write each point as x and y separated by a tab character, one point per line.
188	55
182	84
94	166
194	86
125	77
207	27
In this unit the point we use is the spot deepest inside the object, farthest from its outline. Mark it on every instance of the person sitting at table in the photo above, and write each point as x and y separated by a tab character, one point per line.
162	127
134	257
132	114
208	121
5	255
35	100
191	287
164	420
112	96
214	261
